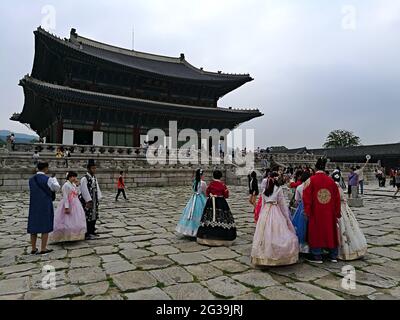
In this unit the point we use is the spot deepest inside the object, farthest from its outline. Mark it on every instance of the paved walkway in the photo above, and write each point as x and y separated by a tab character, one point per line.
140	257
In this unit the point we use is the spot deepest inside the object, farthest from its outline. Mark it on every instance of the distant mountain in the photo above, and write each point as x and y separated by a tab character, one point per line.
19	137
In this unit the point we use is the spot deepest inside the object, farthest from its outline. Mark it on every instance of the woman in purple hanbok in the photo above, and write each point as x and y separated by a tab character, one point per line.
69	218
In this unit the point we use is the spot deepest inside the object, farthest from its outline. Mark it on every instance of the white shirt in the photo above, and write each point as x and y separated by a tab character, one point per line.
299	193
52	183
85	192
264	185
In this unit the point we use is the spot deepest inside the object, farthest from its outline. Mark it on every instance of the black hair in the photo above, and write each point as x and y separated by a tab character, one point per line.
121	172
217	175
269	190
71	174
298	174
253	175
42	165
321	164
305	176
199	173
267	172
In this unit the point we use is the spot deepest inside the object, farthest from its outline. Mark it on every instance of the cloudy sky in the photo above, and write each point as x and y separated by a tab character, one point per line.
318	65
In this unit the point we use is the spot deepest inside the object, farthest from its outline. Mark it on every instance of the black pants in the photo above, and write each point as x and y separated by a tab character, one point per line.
349	190
119	193
91	227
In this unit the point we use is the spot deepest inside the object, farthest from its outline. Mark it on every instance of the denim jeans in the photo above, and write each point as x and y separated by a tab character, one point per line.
333	253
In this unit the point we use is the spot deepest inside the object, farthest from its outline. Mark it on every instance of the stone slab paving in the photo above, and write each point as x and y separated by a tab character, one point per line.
139	256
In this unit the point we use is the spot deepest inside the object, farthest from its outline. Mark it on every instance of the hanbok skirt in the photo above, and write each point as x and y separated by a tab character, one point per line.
217	226
353	244
69	227
275	242
300	222
190	219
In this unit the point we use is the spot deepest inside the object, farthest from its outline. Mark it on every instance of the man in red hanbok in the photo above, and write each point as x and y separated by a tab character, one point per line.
321	200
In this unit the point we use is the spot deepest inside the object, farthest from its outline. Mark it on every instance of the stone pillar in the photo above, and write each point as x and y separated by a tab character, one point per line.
68	137
98	138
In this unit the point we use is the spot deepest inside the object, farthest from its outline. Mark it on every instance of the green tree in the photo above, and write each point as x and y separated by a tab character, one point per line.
342	138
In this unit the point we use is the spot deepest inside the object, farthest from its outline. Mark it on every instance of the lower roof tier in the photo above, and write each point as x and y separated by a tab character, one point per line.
46	102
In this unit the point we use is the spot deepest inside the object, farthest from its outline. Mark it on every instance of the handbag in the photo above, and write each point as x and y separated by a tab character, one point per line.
50	193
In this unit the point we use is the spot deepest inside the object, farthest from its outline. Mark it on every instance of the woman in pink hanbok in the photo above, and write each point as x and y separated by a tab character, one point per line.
69	218
275	242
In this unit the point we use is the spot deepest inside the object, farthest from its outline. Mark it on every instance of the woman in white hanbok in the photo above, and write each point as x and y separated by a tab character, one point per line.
353	244
275	242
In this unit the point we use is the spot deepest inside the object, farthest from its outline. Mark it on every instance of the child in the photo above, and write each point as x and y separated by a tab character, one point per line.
69	219
253	188
299	218
275	242
190	219
121	186
352	242
217	227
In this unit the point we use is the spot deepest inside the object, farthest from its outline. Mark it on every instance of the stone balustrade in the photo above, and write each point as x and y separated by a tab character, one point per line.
17	166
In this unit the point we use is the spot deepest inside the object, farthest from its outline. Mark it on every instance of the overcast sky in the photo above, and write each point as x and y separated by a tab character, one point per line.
318	65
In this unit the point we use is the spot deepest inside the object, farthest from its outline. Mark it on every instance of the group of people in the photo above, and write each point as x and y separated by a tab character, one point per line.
76	214
207	215
322	225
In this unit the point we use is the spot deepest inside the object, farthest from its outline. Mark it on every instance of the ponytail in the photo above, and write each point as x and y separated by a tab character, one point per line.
271	183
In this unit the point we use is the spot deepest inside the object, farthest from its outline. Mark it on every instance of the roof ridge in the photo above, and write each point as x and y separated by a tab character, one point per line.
74	37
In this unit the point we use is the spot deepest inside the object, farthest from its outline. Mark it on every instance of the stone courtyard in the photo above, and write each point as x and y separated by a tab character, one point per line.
139	256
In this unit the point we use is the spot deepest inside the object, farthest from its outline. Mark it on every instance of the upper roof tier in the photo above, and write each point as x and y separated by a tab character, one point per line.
156	64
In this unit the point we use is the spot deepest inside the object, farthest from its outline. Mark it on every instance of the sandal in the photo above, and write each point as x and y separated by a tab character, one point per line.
35	251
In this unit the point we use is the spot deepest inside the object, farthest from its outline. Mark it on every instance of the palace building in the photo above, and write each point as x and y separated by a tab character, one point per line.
86	92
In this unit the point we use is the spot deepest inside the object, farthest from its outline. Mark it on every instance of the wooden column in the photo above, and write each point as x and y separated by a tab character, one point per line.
60	128
136	137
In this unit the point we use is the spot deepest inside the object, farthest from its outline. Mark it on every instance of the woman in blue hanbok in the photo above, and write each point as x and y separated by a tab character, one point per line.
299	219
191	216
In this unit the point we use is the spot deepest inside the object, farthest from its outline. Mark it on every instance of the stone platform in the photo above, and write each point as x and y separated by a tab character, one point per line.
138	256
